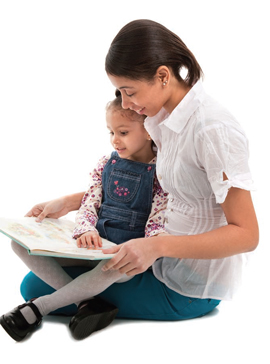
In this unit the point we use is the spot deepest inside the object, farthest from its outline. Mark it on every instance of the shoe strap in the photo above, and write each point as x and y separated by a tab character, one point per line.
33	308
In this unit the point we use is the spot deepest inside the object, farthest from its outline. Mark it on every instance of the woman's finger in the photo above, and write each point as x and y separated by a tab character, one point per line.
115	260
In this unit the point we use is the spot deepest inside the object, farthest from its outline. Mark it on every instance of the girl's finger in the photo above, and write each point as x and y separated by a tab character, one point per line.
95	241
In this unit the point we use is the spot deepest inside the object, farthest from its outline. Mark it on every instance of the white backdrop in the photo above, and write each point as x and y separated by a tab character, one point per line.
53	92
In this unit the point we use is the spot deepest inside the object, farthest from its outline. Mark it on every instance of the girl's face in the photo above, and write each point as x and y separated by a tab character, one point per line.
129	137
141	96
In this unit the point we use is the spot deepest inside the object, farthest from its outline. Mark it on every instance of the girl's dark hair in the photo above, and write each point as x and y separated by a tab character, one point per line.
142	46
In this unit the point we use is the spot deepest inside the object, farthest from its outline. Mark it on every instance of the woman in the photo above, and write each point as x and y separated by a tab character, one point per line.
202	164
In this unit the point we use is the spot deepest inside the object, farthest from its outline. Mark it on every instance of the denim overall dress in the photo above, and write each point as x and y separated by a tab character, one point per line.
127	199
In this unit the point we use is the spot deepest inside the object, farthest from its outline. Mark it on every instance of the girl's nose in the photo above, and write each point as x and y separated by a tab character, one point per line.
114	139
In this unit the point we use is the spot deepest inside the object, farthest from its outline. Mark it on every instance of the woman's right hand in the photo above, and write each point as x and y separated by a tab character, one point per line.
52	209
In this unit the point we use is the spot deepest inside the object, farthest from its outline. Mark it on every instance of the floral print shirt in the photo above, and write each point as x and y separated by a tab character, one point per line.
87	216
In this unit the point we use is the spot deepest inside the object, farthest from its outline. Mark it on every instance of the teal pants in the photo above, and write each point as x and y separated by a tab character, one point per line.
142	297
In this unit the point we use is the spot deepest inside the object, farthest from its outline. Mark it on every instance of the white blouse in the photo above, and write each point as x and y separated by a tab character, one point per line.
198	142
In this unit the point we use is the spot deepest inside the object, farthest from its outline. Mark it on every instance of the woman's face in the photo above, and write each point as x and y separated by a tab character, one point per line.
141	96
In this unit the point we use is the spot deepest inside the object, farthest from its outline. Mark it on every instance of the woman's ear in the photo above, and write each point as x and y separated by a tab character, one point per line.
163	74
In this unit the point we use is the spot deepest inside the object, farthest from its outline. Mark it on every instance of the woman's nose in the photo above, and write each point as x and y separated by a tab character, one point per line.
125	102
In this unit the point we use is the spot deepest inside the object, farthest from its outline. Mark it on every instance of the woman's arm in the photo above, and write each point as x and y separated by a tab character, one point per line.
239	236
56	208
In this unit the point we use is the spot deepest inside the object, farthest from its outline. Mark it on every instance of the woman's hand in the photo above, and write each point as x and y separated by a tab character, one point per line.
133	257
90	239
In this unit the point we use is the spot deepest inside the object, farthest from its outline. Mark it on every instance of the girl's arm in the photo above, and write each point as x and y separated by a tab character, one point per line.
239	236
155	222
56	208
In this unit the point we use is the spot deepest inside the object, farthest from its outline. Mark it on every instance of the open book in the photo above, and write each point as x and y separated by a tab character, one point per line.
51	237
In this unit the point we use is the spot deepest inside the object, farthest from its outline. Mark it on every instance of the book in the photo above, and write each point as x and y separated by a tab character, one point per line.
51	237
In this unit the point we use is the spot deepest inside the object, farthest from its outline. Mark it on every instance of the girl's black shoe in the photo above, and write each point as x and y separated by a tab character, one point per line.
93	315
16	325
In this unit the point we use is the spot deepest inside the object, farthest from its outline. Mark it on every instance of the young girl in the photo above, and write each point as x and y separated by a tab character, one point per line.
124	201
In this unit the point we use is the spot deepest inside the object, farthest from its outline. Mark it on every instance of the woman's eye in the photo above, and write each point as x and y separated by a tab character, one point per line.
129	95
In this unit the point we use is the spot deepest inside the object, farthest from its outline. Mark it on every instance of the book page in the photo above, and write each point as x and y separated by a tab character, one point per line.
51	235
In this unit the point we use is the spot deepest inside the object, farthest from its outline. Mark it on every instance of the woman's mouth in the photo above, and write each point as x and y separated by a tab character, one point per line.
140	111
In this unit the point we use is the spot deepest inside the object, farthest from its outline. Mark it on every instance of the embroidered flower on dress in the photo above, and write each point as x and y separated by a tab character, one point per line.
121	191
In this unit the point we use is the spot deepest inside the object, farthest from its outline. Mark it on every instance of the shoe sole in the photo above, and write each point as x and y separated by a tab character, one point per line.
89	324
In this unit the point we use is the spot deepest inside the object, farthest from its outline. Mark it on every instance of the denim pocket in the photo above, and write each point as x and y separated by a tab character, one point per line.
123	185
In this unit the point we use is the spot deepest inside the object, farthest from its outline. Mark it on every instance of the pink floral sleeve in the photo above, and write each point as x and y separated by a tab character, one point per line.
87	216
155	223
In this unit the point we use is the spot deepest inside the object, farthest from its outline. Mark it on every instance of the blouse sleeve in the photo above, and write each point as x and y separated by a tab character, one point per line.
223	149
155	223
87	216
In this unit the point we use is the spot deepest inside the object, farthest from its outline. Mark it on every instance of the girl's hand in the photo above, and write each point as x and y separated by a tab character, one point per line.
91	240
52	209
133	257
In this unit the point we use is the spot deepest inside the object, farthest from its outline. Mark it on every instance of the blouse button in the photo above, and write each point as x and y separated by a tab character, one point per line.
159	177
149	168
172	199
113	161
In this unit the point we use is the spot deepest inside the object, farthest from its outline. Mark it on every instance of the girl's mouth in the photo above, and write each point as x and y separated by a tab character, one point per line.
120	150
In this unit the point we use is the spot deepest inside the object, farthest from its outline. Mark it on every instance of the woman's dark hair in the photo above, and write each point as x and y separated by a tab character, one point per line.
142	46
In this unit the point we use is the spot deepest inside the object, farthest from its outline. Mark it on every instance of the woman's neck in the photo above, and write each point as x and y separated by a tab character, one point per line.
177	91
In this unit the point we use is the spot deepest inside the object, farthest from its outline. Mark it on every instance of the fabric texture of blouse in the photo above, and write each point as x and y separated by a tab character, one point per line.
87	215
198	142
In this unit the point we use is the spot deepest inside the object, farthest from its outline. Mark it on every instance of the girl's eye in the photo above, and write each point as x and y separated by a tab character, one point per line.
123	132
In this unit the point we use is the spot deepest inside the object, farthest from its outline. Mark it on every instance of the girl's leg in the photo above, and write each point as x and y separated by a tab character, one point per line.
50	271
25	318
46	268
84	287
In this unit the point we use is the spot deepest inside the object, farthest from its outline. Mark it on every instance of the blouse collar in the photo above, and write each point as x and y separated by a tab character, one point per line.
177	120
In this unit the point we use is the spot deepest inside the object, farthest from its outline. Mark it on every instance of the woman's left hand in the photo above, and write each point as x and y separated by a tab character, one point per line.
133	257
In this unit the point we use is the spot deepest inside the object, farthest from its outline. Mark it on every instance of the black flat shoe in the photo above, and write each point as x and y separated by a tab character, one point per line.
16	325
93	315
